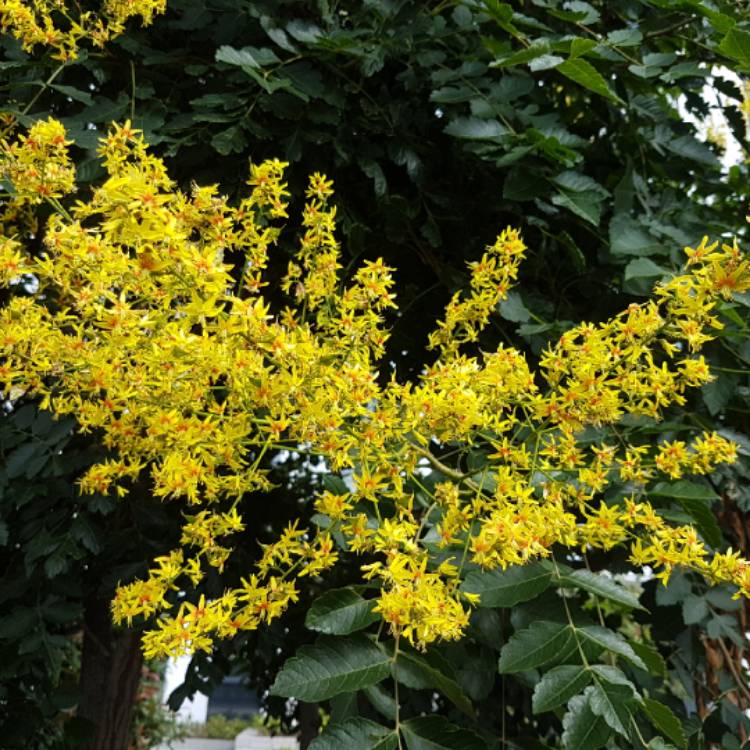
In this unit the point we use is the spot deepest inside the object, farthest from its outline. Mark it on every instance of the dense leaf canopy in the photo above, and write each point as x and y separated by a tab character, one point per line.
611	133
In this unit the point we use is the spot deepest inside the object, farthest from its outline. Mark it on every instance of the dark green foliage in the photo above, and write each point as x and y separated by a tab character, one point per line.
440	122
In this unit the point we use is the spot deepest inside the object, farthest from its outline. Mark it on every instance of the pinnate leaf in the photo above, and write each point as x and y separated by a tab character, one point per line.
436	733
558	685
506	588
539	644
331	666
355	733
340	612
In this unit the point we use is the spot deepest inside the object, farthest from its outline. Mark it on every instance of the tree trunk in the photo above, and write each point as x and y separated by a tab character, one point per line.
309	724
110	674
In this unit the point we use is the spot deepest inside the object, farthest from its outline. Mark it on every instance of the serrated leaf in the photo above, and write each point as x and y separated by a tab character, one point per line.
612	642
628	237
229	141
247	57
381	701
537	49
340	612
331	666
475	128
580	46
651	658
665	721
613	675
558	685
586	204
608	700
627	37
691	148
437	733
736	44
535	646
355	733
513	309
582	728
506	588
585	74
578	182
600	585
644	268
17	462
694	609
545	62
416	672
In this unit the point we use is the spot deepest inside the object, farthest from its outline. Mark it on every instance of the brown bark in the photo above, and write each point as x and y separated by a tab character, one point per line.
309	724
110	674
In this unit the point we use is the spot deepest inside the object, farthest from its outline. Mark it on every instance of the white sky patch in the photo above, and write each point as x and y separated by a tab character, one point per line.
716	121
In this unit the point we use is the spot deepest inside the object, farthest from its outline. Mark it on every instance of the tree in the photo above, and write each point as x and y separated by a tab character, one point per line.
642	211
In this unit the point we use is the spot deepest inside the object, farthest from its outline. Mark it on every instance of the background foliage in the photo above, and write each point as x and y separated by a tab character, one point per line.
440	122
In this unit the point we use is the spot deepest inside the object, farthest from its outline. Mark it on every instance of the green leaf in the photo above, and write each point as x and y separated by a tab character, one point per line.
691	148
585	74
437	733
694	609
474	128
539	644
513	309
580	46
609	700
3	533
375	172
416	672
343	707
665	721
76	94
600	585
611	641
355	733
506	588
21	620
17	462
684	490
587	204
582	728
613	675
644	268
331	666
340	612
523	185
578	182
650	657
229	141
558	685
247	57
630	36
719	392
452	94
382	701
537	49
628	237
736	44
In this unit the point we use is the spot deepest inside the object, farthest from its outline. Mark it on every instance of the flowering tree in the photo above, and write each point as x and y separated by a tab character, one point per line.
160	324
138	327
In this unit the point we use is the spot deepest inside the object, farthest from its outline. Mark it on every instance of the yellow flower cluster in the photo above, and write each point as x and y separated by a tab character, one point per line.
142	330
61	26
